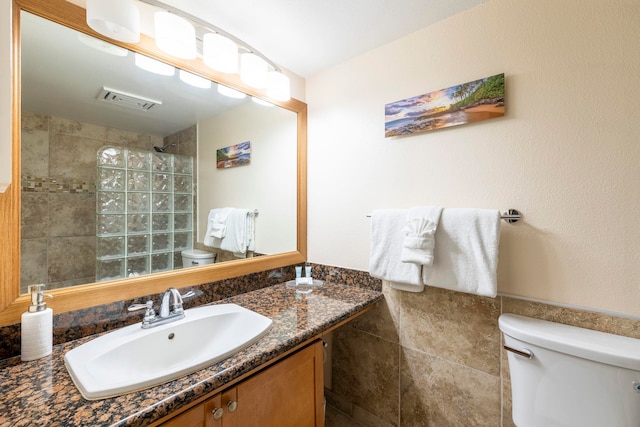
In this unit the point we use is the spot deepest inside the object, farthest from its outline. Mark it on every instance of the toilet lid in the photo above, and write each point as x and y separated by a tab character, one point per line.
197	253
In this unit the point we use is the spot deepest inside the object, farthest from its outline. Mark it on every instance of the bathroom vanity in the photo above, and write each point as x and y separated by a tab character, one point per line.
286	394
248	387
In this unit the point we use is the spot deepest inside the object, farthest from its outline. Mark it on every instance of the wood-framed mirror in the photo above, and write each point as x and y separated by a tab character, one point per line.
12	303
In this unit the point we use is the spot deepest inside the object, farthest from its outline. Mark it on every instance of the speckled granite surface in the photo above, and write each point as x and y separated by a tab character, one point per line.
102	318
42	393
76	324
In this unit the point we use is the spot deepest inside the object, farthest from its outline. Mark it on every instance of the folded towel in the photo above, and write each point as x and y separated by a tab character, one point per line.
239	232
386	247
466	253
218	222
419	232
216	227
406	287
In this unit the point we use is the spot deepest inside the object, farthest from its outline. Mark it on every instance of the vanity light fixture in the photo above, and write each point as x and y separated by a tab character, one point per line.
261	102
154	66
116	19
194	80
253	70
231	93
220	53
102	46
177	32
278	86
175	35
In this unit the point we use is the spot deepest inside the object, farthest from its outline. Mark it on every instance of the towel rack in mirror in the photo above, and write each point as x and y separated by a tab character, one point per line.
510	215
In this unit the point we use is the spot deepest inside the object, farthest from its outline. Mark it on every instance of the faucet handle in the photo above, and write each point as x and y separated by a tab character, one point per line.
188	294
149	314
177	300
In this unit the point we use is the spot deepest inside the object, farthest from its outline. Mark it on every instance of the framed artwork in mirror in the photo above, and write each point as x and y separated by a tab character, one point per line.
234	155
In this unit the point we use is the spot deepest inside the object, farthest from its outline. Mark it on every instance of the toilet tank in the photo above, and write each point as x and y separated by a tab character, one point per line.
575	376
196	257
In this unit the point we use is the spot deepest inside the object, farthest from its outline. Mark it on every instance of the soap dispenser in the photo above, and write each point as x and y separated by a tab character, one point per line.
37	326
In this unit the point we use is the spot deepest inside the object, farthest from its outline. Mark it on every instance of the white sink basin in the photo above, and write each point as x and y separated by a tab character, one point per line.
133	358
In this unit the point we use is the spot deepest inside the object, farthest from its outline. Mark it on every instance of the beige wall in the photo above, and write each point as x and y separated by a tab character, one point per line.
267	184
566	154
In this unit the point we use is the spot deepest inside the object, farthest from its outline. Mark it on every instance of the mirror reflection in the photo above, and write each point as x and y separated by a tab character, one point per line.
120	165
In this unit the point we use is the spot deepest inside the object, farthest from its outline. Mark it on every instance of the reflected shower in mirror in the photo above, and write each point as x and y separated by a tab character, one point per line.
81	95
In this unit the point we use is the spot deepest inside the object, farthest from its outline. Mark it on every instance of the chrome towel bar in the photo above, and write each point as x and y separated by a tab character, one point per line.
510	215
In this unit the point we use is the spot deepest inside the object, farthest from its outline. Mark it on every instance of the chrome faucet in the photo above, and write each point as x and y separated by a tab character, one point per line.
176	308
168	312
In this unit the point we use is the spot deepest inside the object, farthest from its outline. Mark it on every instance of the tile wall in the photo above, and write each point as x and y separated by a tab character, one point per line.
58	161
435	358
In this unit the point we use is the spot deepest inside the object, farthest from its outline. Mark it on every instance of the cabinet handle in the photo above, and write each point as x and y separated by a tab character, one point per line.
217	413
232	406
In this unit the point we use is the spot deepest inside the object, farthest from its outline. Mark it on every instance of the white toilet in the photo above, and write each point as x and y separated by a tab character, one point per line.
196	257
564	376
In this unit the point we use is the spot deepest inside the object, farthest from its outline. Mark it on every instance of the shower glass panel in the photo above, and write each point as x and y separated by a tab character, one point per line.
144	211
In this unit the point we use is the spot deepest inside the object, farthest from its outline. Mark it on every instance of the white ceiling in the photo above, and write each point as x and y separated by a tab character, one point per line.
62	77
308	36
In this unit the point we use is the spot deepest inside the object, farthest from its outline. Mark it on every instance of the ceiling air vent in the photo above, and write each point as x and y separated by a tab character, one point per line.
127	100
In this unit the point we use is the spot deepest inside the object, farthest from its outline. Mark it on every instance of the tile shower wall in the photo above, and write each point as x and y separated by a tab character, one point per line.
186	144
435	358
58	194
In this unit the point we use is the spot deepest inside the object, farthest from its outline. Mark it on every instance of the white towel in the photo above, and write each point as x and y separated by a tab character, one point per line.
216	227
419	232
386	247
239	232
466	252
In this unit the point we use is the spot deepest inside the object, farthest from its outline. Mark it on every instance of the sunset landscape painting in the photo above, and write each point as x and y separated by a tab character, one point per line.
457	105
235	155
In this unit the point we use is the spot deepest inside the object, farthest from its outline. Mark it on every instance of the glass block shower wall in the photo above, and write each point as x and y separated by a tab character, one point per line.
144	211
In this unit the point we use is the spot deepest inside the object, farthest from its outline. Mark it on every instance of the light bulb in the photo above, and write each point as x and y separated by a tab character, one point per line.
154	66
102	45
194	80
253	70
231	93
175	35
261	102
116	19
278	86
220	53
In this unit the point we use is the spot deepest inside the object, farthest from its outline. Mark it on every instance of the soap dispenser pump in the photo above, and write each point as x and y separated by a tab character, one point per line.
37	326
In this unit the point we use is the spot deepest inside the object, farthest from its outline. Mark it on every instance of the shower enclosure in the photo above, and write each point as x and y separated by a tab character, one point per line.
144	211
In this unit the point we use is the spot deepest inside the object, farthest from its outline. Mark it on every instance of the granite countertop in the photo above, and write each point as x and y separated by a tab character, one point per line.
41	392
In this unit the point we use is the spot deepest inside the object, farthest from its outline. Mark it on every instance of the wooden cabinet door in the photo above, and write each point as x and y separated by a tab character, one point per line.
287	394
194	417
198	416
210	407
